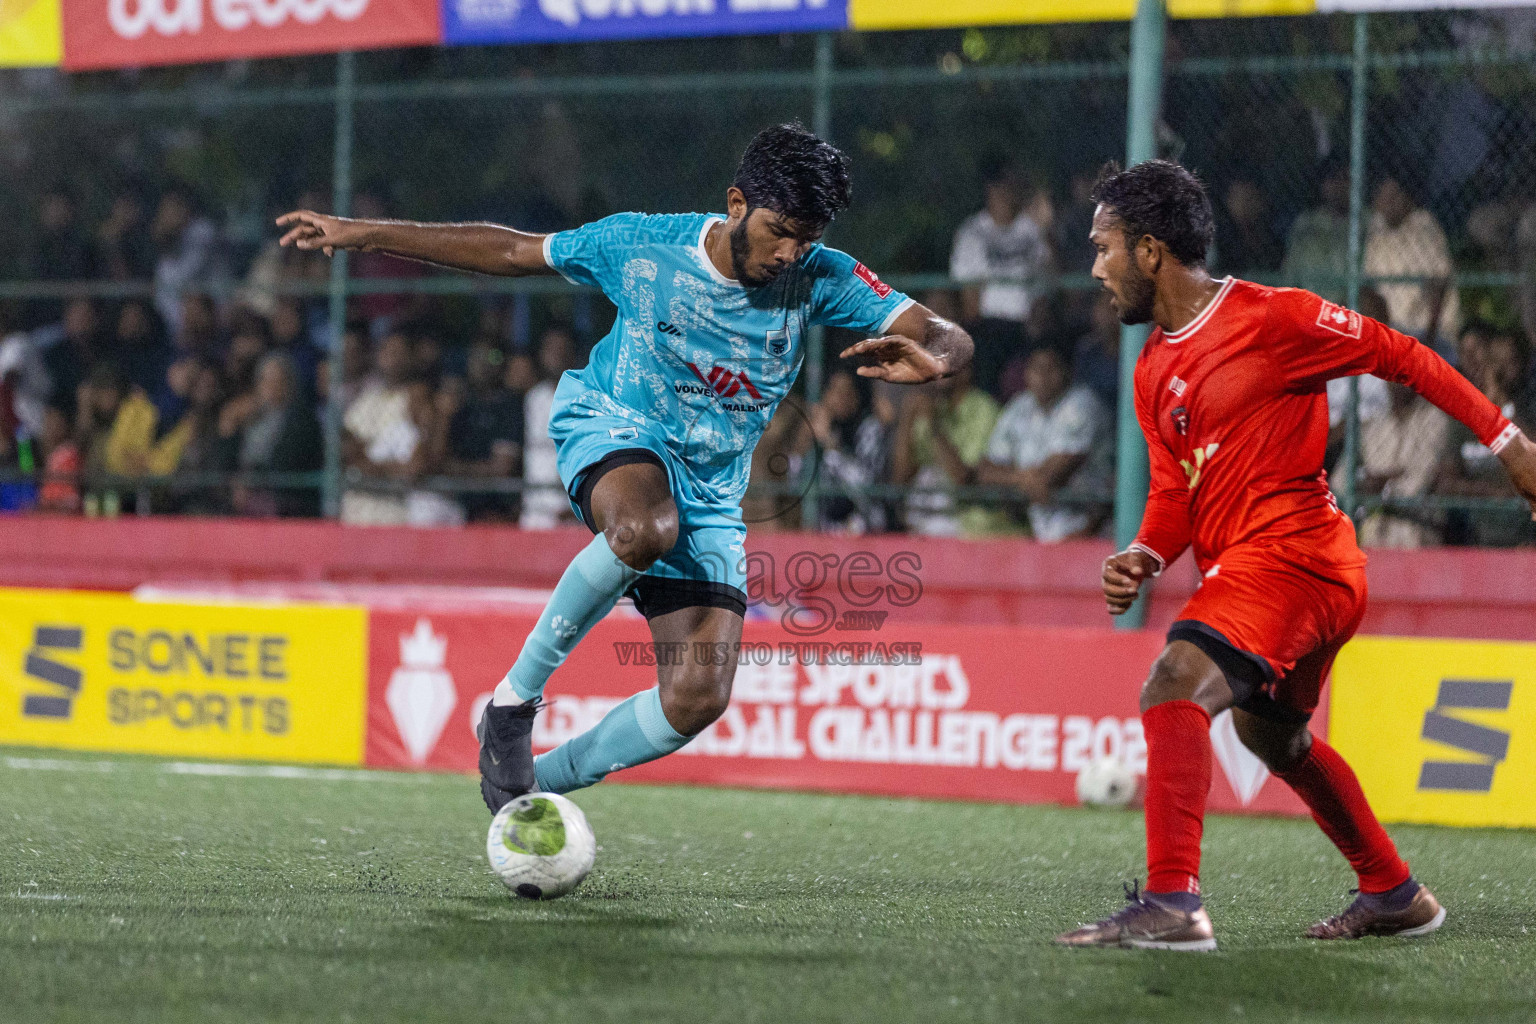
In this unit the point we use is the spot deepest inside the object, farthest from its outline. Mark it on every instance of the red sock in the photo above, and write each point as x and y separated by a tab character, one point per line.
1178	781
1329	788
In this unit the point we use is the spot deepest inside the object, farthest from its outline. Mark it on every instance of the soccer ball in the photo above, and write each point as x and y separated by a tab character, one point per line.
541	846
1105	782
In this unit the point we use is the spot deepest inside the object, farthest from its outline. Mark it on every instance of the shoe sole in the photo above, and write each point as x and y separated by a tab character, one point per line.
1423	929
1193	946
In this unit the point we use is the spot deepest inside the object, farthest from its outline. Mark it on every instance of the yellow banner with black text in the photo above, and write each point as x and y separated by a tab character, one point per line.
1439	731
88	671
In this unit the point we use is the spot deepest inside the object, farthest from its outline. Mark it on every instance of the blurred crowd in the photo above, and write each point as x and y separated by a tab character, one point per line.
214	370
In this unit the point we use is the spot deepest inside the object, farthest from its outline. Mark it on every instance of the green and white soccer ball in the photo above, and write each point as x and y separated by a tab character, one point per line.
1106	782
541	846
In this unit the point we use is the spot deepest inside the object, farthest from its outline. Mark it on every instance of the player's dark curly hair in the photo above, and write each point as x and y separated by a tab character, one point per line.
796	175
1162	199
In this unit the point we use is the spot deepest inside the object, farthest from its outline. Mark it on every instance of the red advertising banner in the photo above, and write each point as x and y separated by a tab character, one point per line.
131	33
965	712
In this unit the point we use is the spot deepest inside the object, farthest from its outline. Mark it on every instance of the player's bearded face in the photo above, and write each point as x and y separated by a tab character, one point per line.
759	255
741	257
1136	294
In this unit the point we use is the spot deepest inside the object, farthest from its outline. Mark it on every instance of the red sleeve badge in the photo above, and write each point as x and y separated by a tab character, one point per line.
876	285
1339	320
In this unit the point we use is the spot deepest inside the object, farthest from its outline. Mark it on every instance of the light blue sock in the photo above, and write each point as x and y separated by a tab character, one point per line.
633	733
588	589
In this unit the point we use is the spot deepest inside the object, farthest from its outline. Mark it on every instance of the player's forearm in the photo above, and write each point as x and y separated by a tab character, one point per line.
1165	528
949	342
481	248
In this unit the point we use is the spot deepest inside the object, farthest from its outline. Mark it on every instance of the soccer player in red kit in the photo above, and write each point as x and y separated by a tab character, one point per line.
1230	393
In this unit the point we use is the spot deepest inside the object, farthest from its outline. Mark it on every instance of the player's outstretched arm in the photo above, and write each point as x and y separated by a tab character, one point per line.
922	346
482	248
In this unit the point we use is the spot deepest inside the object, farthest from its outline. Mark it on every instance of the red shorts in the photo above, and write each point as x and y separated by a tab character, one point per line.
1287	620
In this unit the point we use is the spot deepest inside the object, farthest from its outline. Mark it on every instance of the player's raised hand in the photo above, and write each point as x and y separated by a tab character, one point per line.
1123	573
1519	458
895	358
308	230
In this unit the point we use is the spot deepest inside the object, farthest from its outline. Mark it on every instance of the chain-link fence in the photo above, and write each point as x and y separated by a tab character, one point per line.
140	208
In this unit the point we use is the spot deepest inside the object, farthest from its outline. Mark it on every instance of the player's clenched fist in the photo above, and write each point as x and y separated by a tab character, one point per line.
309	230
1123	574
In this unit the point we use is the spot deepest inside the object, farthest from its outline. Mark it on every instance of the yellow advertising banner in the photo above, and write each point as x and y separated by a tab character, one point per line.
31	33
105	672
1439	731
899	14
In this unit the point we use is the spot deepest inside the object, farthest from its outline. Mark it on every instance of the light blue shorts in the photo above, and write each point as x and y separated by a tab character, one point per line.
709	557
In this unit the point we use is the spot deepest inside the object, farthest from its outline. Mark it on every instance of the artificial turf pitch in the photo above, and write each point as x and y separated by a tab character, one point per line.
137	890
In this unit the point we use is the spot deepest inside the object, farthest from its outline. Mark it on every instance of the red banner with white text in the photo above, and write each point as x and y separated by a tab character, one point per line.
130	33
966	712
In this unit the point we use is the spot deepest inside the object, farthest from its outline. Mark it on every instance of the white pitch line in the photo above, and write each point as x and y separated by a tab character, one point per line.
287	771
215	769
54	764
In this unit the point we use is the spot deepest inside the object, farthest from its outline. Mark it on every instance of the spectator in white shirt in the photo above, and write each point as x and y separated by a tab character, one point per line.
545	504
1053	441
382	440
190	253
1400	453
1001	254
1406	241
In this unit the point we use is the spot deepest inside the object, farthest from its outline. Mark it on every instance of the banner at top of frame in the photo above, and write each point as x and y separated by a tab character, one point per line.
30	33
129	33
899	14
569	21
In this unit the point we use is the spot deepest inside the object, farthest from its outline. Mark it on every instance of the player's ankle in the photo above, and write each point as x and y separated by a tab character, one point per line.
1394	899
505	696
1178	900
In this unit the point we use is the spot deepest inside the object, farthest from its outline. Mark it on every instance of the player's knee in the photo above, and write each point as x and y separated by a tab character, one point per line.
1280	747
696	698
1184	672
639	541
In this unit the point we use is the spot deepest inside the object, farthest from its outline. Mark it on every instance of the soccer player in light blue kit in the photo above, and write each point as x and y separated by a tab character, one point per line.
655	435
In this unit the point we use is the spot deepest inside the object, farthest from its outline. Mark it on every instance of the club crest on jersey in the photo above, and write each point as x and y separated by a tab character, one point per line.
778	342
876	285
1180	420
1339	320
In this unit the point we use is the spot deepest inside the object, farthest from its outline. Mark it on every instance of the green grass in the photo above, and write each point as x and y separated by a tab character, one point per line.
137	894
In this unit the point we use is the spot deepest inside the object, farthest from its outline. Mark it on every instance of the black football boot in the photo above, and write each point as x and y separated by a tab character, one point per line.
506	752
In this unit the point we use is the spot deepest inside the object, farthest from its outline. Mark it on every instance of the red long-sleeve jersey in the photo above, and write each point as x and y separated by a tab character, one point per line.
1235	412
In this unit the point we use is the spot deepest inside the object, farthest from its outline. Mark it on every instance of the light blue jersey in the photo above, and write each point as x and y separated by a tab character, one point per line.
695	355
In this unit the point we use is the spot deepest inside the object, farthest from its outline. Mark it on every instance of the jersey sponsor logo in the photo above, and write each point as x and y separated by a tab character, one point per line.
1178	387
1192	470
1339	320
720	381
1180	420
666	328
876	285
